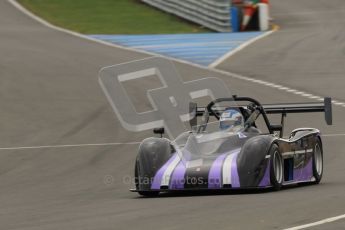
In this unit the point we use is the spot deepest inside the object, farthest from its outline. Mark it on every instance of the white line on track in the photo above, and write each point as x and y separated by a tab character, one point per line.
105	144
333	135
324	221
68	146
232	75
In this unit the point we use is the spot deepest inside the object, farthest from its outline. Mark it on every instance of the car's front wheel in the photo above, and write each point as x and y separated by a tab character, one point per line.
276	168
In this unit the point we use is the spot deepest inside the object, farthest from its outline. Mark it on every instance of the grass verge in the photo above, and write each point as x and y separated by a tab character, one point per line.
109	17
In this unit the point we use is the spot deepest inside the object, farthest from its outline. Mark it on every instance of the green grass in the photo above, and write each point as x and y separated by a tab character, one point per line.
109	17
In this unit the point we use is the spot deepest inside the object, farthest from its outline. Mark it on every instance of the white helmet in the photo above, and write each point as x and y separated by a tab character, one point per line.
231	118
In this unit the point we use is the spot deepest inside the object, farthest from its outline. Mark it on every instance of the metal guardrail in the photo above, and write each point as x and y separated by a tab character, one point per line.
213	14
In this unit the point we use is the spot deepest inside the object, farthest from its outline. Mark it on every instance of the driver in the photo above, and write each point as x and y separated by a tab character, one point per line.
231	118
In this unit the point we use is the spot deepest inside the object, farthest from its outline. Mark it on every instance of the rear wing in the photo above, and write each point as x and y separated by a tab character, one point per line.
283	109
325	106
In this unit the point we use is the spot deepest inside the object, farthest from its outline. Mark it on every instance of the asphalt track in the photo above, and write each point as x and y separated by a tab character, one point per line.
50	96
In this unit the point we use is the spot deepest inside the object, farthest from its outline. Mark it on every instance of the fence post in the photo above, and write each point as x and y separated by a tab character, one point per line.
263	17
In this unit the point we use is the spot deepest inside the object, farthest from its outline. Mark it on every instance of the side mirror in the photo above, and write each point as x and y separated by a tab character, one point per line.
328	110
278	128
159	131
193	107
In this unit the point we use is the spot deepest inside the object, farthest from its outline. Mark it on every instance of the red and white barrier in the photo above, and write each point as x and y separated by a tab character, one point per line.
250	8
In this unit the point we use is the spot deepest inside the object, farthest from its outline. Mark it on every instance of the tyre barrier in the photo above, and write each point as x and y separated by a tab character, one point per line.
219	15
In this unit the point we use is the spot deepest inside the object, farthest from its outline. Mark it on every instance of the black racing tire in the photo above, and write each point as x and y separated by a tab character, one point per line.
149	193
317	161
137	181
276	168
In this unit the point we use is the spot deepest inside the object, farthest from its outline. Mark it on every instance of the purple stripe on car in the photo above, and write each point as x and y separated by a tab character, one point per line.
235	179
215	174
305	173
266	181
156	184
308	170
177	179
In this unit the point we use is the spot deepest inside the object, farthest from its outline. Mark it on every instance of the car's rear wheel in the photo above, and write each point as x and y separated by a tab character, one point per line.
318	161
138	179
276	168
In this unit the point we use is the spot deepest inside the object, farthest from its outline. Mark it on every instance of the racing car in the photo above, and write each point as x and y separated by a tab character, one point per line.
228	151
229	142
